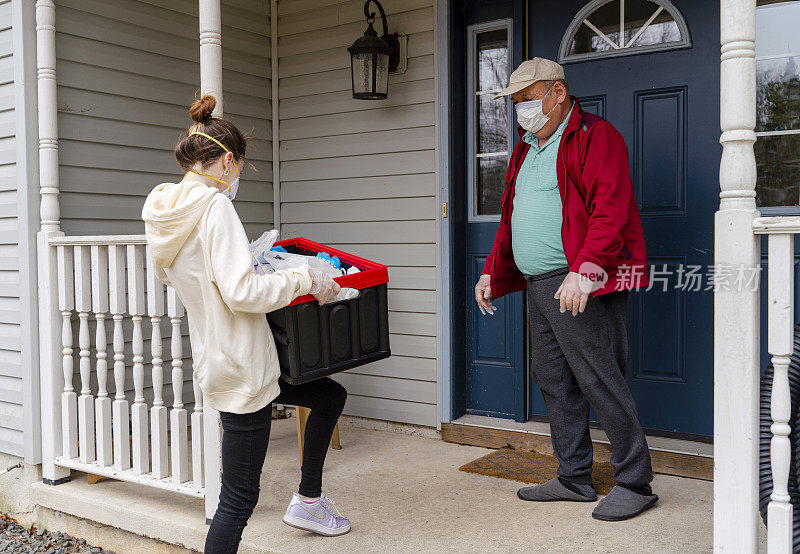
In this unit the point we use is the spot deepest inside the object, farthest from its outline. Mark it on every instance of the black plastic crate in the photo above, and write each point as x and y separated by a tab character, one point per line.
314	341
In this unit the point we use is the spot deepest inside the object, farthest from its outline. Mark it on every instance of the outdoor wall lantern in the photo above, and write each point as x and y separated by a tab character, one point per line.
372	58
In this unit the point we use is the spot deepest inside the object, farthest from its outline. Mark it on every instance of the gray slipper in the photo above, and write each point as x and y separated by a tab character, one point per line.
621	504
552	491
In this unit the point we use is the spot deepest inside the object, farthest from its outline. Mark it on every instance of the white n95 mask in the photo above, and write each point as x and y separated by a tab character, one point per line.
530	115
232	189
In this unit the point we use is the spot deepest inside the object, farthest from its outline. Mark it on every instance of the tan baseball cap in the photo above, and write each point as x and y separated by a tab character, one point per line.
530	71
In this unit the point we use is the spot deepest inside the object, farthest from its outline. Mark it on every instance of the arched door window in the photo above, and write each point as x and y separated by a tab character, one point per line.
606	28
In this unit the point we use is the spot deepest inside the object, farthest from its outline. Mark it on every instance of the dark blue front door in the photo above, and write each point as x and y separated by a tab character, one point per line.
495	376
666	105
665	102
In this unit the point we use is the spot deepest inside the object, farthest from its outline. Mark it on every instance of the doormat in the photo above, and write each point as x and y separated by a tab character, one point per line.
532	467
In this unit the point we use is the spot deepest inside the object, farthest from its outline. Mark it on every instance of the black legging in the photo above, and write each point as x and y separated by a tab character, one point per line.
244	446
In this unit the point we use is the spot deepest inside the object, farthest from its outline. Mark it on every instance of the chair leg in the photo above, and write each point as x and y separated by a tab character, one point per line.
92	478
302	416
335	442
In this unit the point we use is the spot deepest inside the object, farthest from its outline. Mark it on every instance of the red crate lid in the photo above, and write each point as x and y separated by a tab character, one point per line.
371	274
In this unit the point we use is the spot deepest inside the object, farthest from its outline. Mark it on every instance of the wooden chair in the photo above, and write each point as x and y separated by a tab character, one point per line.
302	415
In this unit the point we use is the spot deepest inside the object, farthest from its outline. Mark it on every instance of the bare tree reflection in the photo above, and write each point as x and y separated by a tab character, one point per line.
778	157
492	119
662	30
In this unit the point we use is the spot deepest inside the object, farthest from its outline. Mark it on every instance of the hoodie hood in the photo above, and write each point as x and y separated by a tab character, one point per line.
170	214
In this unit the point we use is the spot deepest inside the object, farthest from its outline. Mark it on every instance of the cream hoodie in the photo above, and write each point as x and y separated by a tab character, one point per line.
200	248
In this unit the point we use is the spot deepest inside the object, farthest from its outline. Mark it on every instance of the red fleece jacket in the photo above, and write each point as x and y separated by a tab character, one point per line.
600	218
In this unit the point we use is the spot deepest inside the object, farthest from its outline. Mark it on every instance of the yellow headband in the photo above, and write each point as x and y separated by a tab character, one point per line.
221	146
209	137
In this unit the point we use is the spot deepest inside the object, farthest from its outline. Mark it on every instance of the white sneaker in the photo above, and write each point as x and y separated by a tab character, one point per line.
317	517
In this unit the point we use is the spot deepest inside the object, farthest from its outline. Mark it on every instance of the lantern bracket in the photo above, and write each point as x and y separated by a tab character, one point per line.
390	39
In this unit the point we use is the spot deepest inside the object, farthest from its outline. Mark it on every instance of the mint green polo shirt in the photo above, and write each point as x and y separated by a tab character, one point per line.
536	217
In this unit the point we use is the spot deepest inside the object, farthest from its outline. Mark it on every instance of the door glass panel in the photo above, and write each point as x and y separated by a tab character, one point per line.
490	120
643	23
777	27
492	124
491	174
492	59
606	19
778	164
778	93
777	146
662	28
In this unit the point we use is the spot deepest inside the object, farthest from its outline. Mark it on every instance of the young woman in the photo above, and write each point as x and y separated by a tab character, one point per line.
200	248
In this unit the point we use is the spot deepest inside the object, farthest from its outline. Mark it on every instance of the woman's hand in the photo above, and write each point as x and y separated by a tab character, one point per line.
323	287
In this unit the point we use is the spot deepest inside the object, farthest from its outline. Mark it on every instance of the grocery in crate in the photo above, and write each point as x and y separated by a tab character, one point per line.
352	330
268	258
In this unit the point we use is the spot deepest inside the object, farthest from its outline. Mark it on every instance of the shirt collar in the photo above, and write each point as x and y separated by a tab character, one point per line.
531	139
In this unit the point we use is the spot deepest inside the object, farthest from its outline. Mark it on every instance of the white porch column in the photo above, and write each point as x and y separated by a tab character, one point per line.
736	312
52	382
211	83
211	51
48	114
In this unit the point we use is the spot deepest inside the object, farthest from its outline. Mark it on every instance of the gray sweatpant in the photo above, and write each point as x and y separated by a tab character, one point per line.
578	361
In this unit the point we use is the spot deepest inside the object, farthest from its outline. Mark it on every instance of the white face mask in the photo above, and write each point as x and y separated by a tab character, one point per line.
232	189
530	115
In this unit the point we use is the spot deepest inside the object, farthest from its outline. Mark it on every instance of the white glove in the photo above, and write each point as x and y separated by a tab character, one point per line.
483	295
323	287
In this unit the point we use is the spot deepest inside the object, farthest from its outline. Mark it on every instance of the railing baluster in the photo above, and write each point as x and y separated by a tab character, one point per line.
111	437
69	400
137	309
102	404
116	286
197	435
83	304
781	342
177	416
98	275
158	413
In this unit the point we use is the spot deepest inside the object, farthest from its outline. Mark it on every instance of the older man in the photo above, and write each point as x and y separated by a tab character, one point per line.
570	235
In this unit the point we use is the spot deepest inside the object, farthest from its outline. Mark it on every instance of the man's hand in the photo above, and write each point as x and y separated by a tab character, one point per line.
483	295
572	296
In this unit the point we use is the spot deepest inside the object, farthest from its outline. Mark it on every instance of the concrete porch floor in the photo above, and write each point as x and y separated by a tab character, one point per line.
402	494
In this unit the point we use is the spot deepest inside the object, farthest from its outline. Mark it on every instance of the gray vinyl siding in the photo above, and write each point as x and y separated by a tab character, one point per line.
360	176
11	367
127	72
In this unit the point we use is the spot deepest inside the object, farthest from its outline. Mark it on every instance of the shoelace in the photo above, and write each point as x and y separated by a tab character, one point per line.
329	503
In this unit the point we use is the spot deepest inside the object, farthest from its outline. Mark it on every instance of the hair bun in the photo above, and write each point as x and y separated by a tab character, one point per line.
200	110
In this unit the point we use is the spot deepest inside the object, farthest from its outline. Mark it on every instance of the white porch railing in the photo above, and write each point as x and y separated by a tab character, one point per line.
91	278
781	233
107	276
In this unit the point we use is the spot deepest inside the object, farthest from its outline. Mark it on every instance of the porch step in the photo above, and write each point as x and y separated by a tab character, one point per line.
486	432
123	514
